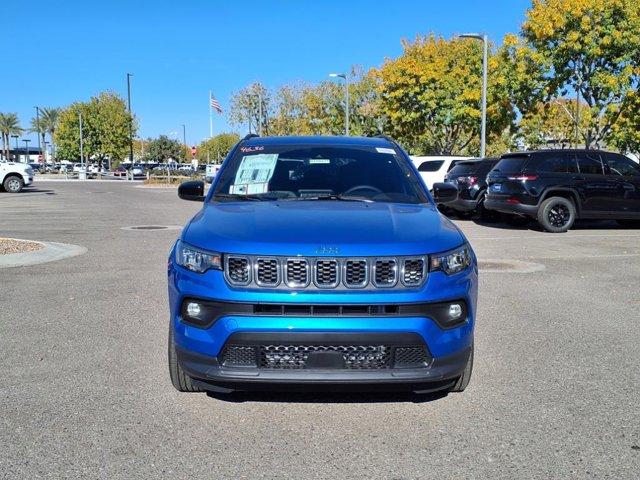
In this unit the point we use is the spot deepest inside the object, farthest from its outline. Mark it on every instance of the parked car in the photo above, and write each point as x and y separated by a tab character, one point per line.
470	177
556	187
433	168
120	171
36	167
211	172
320	260
14	176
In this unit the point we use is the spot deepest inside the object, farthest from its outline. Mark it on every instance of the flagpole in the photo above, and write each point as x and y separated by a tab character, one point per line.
210	117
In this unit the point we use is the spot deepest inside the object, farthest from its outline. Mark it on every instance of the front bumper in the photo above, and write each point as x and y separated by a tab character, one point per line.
200	350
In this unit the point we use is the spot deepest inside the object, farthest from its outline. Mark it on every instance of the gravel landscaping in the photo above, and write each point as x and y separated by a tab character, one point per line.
9	246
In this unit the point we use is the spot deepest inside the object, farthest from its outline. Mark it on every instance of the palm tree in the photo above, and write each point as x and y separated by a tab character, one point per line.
49	117
9	125
38	127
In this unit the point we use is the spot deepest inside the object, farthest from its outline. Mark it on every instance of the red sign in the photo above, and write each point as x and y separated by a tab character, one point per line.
193	151
40	158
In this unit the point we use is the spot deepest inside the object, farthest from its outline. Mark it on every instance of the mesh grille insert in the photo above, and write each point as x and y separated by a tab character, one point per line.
386	273
411	357
297	272
354	356
355	273
413	271
267	271
238	270
239	355
326	273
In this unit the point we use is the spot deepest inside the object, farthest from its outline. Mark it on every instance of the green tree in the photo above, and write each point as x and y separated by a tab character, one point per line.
215	149
38	127
106	123
553	123
9	125
49	118
245	109
430	95
163	149
591	47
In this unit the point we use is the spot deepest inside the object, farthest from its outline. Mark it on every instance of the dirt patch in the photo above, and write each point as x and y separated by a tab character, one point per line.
9	246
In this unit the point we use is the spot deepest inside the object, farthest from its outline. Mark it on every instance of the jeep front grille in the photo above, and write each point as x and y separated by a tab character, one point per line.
316	273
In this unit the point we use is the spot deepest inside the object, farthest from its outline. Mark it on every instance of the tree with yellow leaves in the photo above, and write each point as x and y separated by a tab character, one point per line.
591	47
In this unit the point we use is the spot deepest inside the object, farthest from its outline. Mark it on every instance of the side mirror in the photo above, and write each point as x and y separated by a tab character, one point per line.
445	192
193	190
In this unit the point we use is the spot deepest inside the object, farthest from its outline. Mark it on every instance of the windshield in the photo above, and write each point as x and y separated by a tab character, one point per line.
512	164
431	166
464	168
318	173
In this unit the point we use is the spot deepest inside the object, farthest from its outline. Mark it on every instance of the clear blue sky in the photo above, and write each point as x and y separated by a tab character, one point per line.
60	52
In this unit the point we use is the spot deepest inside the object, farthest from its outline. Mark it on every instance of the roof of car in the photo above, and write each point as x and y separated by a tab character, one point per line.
553	150
320	140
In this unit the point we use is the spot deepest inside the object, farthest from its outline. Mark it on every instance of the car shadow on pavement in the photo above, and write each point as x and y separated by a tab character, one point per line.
43	191
327	397
532	225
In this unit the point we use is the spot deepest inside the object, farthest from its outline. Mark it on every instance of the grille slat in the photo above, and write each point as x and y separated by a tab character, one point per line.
326	273
385	273
413	271
267	272
355	273
297	272
238	270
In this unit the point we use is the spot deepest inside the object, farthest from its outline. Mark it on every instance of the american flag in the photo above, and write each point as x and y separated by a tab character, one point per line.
216	105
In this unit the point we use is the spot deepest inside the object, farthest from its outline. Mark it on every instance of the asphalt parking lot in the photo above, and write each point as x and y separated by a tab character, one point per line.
85	390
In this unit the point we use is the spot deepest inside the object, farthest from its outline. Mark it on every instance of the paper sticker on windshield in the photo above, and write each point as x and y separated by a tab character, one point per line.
319	161
390	151
254	173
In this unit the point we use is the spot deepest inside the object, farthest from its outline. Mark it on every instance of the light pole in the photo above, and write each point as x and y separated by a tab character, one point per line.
485	53
129	75
346	99
38	133
81	152
15	137
184	138
26	149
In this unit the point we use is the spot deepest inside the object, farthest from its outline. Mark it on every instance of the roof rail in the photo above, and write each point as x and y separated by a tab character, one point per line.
386	137
250	135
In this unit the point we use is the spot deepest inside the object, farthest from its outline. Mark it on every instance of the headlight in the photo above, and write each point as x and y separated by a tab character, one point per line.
195	259
451	262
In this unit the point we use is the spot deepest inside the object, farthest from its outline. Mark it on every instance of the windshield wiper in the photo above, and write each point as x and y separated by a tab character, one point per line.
342	198
233	196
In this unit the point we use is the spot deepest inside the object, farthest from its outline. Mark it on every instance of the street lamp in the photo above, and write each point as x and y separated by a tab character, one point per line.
346	95
15	137
129	75
485	53
26	149
38	132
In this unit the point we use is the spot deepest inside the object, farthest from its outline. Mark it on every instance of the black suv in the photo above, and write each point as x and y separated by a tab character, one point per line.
471	179
558	186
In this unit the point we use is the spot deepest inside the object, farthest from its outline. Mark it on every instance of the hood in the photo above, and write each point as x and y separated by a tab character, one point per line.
322	228
17	165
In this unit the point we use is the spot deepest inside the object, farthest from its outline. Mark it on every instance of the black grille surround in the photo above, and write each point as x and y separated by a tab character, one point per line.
272	351
322	273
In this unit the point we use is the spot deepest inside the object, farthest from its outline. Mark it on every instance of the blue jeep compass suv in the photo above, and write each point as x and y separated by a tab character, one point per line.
320	261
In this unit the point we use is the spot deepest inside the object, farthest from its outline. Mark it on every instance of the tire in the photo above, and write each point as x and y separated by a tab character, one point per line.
485	214
465	378
180	380
556	214
629	223
13	184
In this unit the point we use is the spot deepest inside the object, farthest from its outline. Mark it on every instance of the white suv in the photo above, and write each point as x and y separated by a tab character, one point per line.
433	168
14	176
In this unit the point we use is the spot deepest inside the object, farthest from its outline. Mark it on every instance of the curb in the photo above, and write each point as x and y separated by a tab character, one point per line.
52	252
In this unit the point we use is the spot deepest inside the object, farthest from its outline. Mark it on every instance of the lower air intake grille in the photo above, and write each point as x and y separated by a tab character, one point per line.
411	357
239	356
354	356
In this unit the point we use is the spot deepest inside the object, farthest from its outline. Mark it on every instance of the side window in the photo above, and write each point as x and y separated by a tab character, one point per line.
554	165
590	164
620	165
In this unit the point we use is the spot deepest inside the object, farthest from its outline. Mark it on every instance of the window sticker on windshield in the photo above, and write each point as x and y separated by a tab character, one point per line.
319	161
390	151
254	173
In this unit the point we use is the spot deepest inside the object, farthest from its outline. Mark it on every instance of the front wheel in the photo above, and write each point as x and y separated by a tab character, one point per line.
465	378
181	381
556	214
13	184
